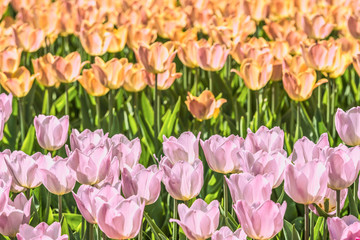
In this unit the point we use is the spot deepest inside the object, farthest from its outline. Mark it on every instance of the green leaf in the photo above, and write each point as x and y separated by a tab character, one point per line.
318	229
59	103
169	122
290	232
147	109
353	208
28	144
74	220
320	211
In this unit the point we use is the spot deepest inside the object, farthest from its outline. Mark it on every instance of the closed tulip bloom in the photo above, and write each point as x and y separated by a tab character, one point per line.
183	148
87	140
6	105
44	68
187	52
118	39
221	153
4	193
268	140
261	221
87	203
95	39
347	126
306	183
256	72
317	26
165	79
343	166
51	132
140	35
15	214
226	234
135	78
182	180
112	177
5	176
328	203
244	186
18	83
142	182
127	152
299	80
199	221
10	59
278	30
121	220
204	106
294	39
28	38
346	228
250	49
212	57
68	68
92	84
157	58
354	26
258	10
41	231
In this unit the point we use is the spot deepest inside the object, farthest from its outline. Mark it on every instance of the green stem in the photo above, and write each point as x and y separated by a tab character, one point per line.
175	216
328	104
197	75
338	201
103	235
66	99
97	119
48	93
333	95
248	107
311	225
185	77
140	236
110	102
157	111
356	185
228	67
48	201
273	97
237	119
297	131
257	110
27	193
325	230
91	231
21	115
318	74
226	200
306	208
211	87
60	207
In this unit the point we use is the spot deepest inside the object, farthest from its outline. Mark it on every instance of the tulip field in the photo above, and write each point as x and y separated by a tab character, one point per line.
179	119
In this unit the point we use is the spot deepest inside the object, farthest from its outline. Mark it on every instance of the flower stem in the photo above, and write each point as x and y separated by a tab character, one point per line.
325	230
60	207
248	107
211	87
91	231
97	119
175	217
66	99
140	236
110	102
306	208
311	225
157	113
297	131
258	96
185	77
197	74
226	199
333	95
48	200
48	93
21	115
338	200
328	104
103	235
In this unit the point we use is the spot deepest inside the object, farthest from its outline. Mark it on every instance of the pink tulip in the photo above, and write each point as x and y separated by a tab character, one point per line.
330	206
6	105
23	169
4	193
15	213
5	176
226	234
221	153
112	177
182	180
41	231
184	148
51	132
265	139
199	221
244	186
306	183
87	203
346	228
260	221
127	152
143	182
2	124
347	125
123	219
87	140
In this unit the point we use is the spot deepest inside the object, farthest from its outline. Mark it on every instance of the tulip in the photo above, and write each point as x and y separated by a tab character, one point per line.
221	153
328	203
112	73
268	140
184	148
226	234
251	49
15	213
244	186
68	68
181	37
158	57
69	21
260	221
280	49
92	84
165	79
112	177
317	26
51	132
121	220
143	182
4	193
256	72
6	105
169	21
2	124
86	141
204	106
280	9
10	59
306	183
95	39
278	30
118	39
182	180
140	35
299	80
346	124
343	166
187	52
257	10
199	221
135	79
28	38
294	39
127	152
354	26
45	70
41	231
345	228
5	176
87	203
18	83
212	58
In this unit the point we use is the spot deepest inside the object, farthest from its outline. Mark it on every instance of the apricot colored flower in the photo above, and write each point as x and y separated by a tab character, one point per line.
356	63
317	26
135	78
68	68
212	57
18	83
165	79
28	38
10	59
169	21
294	39
44	68
187	52
281	9
140	35
95	39
118	39
91	84
251	49
204	106
257	9
279	30
354	26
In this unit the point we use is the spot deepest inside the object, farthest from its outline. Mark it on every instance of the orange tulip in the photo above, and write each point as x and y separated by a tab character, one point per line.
91	84
135	79
200	18
3	6
169	21
212	57
118	39
354	26
340	15
257	9
256	72
183	37
347	49
279	30
294	38
28	38
279	49
18	83
45	70
205	106
187	52
10	59
140	35
316	27
356	63
90	13
112	73
281	9
69	22
158	57
250	49
165	79
95	39
68	68
19	4
305	5
298	79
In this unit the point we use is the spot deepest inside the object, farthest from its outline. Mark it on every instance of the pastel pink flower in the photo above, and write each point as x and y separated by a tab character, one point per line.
244	186
112	176
226	234
184	148
268	140
221	153
87	140
346	228
87	203
127	152
348	125
330	197
2	123
260	221
6	176
51	132
212	57
143	182
4	193
182	180
41	231
6	105
199	221
306	183
123	219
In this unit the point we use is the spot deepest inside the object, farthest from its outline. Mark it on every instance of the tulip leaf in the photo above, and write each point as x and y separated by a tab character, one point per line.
320	211
147	109
28	143
59	103
232	222
290	231
168	125
74	220
318	229
353	208
156	230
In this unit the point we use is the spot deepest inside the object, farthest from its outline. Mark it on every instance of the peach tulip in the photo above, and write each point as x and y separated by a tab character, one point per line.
317	26
68	68
69	22
44	68
204	106
347	126
91	84
169	21
250	49
212	57
95	39
135	79
28	38
10	59
294	39
257	9
140	35
118	39
278	30
18	83
279	49
183	37
187	52
354	26
281	9
356	63
165	79
19	4
6	105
